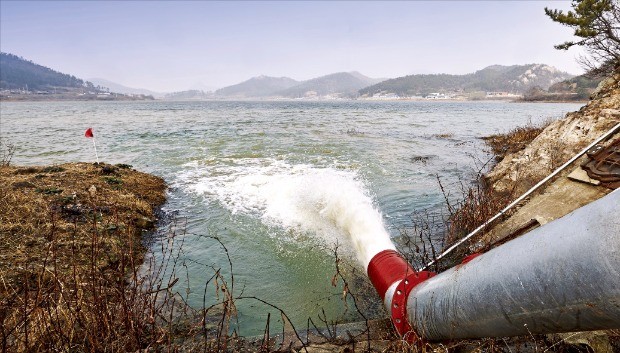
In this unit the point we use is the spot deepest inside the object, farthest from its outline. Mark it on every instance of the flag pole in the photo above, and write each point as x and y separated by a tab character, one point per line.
89	134
95	144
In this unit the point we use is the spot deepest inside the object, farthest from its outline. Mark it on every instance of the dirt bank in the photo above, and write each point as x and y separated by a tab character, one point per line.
64	202
558	142
69	235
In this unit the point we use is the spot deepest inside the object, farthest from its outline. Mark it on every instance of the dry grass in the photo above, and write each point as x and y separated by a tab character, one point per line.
76	276
70	248
430	233
514	140
479	201
64	204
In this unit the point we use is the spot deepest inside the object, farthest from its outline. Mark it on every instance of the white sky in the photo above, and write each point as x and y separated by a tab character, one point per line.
172	46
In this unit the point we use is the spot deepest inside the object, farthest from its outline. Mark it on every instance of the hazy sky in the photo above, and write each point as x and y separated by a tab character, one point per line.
168	46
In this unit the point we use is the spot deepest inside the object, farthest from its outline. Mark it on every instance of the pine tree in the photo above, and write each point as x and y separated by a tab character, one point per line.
597	24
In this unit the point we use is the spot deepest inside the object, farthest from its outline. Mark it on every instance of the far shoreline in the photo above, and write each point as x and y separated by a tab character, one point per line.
438	101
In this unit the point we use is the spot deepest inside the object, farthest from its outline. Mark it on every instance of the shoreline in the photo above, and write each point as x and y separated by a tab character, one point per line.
76	99
438	101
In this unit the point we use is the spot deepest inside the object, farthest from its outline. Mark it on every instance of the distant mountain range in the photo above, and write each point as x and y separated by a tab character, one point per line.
118	88
341	84
20	78
515	79
193	94
261	86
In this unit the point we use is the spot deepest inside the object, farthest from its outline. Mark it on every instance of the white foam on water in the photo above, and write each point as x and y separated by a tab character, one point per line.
328	203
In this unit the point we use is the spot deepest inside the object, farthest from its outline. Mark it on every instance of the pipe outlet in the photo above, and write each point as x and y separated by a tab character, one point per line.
394	278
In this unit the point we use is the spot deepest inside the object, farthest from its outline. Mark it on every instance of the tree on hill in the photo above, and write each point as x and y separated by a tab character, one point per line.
514	78
576	84
597	24
19	73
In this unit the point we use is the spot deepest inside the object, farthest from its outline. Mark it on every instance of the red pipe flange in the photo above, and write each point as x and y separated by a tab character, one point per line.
385	269
399	302
388	268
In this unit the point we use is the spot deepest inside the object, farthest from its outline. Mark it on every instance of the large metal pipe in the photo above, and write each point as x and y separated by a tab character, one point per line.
561	277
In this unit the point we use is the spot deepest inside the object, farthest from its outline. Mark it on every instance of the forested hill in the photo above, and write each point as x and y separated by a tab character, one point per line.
19	73
515	79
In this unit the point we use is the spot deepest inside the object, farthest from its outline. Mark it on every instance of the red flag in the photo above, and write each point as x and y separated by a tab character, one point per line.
89	132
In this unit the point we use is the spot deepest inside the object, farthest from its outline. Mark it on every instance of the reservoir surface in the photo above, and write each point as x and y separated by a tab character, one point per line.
274	181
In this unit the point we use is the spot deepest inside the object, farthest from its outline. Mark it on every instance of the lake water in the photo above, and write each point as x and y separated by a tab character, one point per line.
263	176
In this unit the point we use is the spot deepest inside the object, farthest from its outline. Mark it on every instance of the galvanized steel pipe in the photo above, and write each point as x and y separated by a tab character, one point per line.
561	277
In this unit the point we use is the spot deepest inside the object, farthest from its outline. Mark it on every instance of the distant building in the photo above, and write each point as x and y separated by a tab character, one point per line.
436	96
501	95
386	96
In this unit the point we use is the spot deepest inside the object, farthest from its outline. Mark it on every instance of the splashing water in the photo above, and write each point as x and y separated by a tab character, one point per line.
332	205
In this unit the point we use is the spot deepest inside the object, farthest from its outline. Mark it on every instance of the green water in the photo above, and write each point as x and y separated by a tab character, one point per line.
273	180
